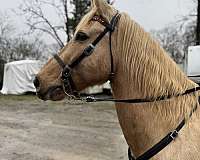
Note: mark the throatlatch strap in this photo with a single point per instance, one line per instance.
(111, 59)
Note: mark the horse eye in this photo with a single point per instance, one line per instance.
(80, 36)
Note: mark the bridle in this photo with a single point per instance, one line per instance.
(70, 88)
(66, 75)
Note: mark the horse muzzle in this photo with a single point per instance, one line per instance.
(54, 93)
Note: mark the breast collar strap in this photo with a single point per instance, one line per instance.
(170, 137)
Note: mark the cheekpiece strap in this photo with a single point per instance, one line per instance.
(59, 60)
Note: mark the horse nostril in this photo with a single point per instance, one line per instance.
(36, 82)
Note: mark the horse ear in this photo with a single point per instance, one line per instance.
(92, 3)
(100, 5)
(103, 8)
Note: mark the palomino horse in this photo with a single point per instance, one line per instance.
(140, 69)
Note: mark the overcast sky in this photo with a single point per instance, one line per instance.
(151, 14)
(155, 14)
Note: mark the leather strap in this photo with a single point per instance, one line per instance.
(163, 143)
(59, 60)
(160, 145)
(138, 101)
(88, 51)
(194, 76)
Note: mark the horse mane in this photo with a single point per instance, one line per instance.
(140, 48)
(153, 72)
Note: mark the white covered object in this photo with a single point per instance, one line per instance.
(193, 61)
(193, 69)
(97, 89)
(19, 76)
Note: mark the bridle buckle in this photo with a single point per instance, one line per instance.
(66, 73)
(90, 99)
(111, 75)
(88, 51)
(174, 134)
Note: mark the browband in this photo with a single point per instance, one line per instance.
(99, 19)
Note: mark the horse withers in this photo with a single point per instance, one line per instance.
(109, 45)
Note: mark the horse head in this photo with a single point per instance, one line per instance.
(92, 69)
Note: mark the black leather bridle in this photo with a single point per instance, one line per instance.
(70, 88)
(66, 76)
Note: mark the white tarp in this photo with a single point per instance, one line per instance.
(193, 68)
(97, 89)
(19, 76)
(194, 61)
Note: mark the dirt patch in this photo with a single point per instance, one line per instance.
(31, 129)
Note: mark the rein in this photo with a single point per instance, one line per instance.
(91, 99)
(69, 87)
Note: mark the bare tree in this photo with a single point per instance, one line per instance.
(39, 20)
(15, 47)
(195, 14)
(171, 41)
(176, 39)
(6, 30)
(67, 19)
(5, 25)
(65, 15)
(27, 49)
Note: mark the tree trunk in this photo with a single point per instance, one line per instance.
(198, 24)
(67, 28)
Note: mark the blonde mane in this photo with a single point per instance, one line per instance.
(165, 77)
(151, 69)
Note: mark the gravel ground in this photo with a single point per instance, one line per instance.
(31, 129)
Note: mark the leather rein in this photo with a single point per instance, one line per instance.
(70, 89)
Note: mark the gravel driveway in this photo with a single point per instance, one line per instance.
(31, 129)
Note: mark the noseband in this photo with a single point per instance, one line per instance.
(66, 76)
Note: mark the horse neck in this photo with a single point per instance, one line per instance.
(143, 70)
